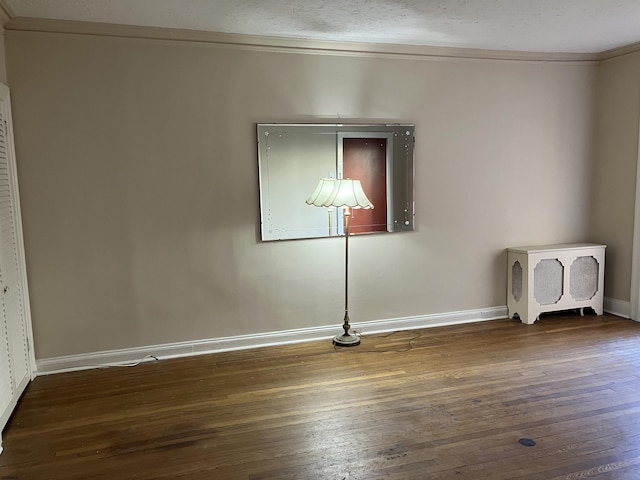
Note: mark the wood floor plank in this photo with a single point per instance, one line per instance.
(440, 403)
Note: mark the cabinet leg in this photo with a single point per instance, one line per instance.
(528, 319)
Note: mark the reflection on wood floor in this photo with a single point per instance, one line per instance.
(441, 403)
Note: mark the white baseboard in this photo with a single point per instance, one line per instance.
(130, 356)
(432, 320)
(616, 307)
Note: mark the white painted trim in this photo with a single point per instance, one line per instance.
(45, 25)
(634, 294)
(128, 356)
(619, 308)
(619, 52)
(432, 320)
(257, 42)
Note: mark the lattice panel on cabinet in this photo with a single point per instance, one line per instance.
(584, 278)
(516, 281)
(547, 281)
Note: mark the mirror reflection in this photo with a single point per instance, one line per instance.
(292, 158)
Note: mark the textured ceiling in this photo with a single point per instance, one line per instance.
(575, 26)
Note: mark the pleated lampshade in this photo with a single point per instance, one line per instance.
(339, 193)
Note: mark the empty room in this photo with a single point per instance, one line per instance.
(267, 239)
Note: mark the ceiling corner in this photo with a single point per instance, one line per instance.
(6, 13)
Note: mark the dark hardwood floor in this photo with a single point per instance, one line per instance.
(441, 403)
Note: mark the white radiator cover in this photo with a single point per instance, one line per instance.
(551, 278)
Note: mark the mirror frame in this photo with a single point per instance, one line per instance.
(292, 157)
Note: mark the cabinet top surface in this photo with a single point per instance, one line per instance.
(555, 247)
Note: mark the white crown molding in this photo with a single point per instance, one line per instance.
(131, 356)
(619, 52)
(26, 24)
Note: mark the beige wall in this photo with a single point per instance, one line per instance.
(614, 180)
(3, 65)
(138, 178)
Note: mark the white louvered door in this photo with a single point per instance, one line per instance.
(16, 360)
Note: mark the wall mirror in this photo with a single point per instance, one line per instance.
(293, 157)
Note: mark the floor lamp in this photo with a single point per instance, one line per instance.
(348, 194)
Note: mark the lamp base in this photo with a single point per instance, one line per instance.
(346, 340)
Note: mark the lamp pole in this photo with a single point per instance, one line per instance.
(347, 194)
(346, 339)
